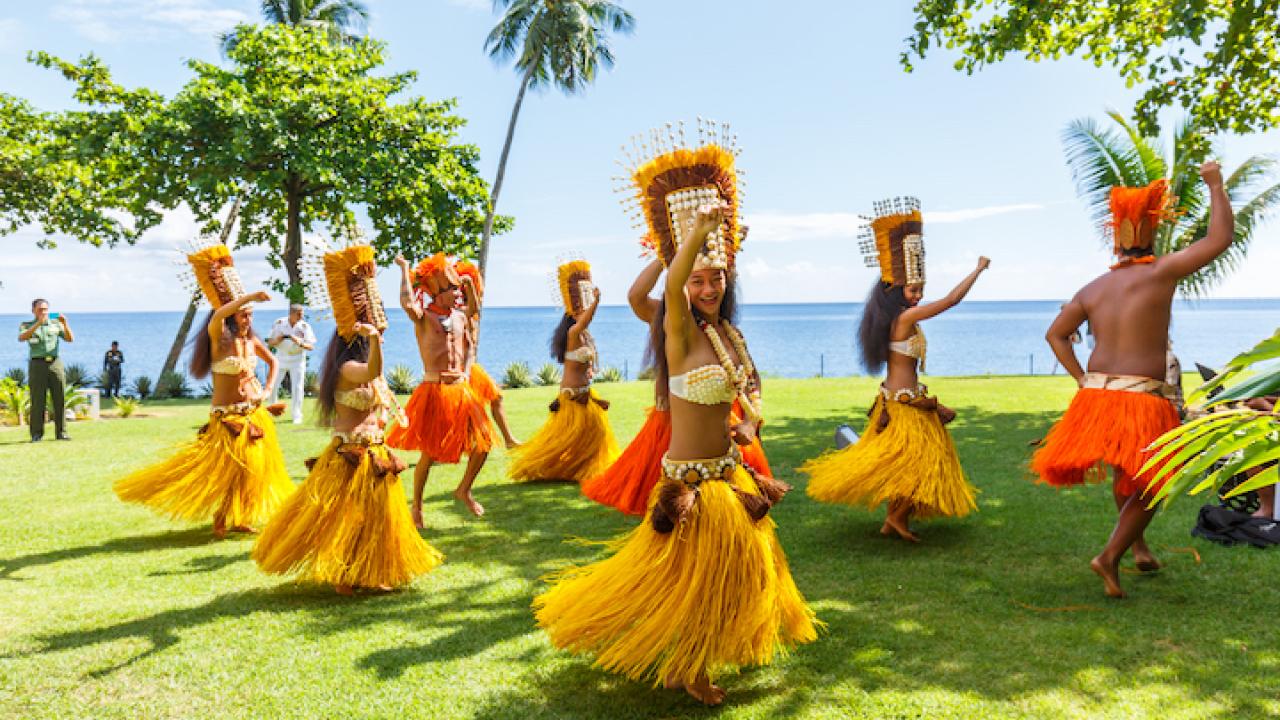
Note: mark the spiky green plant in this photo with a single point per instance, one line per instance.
(401, 379)
(141, 387)
(609, 374)
(15, 400)
(548, 374)
(517, 375)
(127, 406)
(1103, 156)
(17, 375)
(76, 375)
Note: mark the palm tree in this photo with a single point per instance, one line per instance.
(1100, 157)
(345, 20)
(556, 43)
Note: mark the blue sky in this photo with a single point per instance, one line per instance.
(827, 120)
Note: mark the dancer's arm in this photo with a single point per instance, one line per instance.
(1222, 225)
(642, 305)
(470, 296)
(584, 319)
(228, 309)
(407, 302)
(273, 365)
(911, 316)
(1059, 337)
(679, 318)
(361, 373)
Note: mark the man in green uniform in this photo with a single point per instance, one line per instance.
(43, 335)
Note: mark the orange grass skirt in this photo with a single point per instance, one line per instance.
(445, 421)
(483, 385)
(1100, 428)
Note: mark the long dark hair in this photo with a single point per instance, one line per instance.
(884, 304)
(560, 337)
(202, 346)
(655, 355)
(338, 353)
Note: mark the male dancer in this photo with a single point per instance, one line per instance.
(446, 417)
(1123, 404)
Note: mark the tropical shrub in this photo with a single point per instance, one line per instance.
(517, 375)
(127, 406)
(173, 385)
(401, 379)
(76, 375)
(311, 383)
(141, 387)
(17, 375)
(15, 401)
(76, 400)
(647, 373)
(609, 374)
(548, 374)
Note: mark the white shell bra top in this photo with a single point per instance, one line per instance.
(913, 347)
(584, 354)
(705, 385)
(366, 397)
(235, 365)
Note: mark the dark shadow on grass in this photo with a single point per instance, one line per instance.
(173, 539)
(207, 564)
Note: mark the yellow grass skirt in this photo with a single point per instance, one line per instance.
(911, 459)
(348, 524)
(713, 594)
(574, 444)
(225, 472)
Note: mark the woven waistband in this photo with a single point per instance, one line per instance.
(366, 437)
(905, 395)
(435, 378)
(240, 408)
(692, 472)
(1129, 383)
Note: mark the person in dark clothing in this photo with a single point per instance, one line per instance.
(111, 366)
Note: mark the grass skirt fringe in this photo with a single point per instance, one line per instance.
(575, 444)
(1100, 428)
(483, 385)
(714, 594)
(346, 525)
(753, 454)
(911, 459)
(445, 421)
(223, 471)
(627, 483)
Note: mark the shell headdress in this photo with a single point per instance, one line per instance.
(1136, 212)
(344, 279)
(669, 179)
(211, 270)
(573, 286)
(893, 239)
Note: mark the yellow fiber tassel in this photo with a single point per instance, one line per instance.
(714, 594)
(574, 444)
(912, 459)
(224, 471)
(346, 525)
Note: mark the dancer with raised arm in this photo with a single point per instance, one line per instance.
(481, 381)
(234, 470)
(905, 459)
(1123, 403)
(703, 585)
(347, 526)
(576, 442)
(446, 418)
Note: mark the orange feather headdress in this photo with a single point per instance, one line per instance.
(434, 274)
(669, 180)
(466, 268)
(1136, 212)
(893, 239)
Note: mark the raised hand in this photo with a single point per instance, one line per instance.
(404, 264)
(260, 296)
(708, 219)
(984, 262)
(366, 330)
(1211, 171)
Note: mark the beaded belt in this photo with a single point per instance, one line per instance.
(693, 472)
(437, 378)
(362, 437)
(240, 408)
(580, 395)
(682, 486)
(917, 397)
(905, 395)
(1129, 383)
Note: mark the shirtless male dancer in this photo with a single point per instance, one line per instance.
(1122, 404)
(446, 417)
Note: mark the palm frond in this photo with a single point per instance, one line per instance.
(1147, 150)
(1098, 159)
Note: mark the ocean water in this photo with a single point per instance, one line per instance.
(975, 338)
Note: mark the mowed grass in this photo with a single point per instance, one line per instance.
(110, 611)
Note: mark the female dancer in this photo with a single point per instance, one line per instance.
(905, 458)
(576, 442)
(234, 470)
(481, 382)
(347, 526)
(627, 483)
(703, 585)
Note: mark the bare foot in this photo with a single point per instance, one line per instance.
(416, 513)
(344, 590)
(244, 529)
(464, 497)
(1146, 562)
(1110, 576)
(704, 692)
(219, 530)
(895, 525)
(511, 443)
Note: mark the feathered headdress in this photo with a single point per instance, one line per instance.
(1136, 212)
(346, 281)
(434, 274)
(466, 268)
(893, 238)
(211, 270)
(573, 281)
(669, 181)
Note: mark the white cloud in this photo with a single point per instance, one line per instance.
(770, 227)
(109, 21)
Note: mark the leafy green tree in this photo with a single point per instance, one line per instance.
(341, 20)
(1217, 59)
(555, 43)
(304, 134)
(1100, 157)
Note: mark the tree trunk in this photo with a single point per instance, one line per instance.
(175, 351)
(293, 239)
(502, 171)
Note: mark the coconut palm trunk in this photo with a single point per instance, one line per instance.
(502, 171)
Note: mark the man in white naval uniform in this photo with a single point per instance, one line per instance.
(292, 339)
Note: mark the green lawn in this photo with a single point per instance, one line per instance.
(108, 610)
